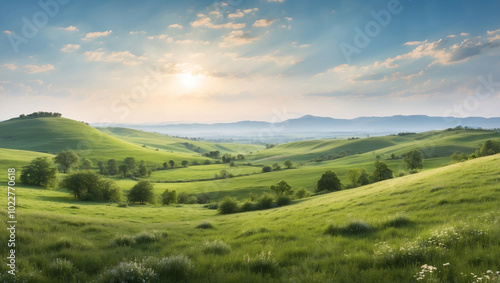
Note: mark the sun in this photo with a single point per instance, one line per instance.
(189, 81)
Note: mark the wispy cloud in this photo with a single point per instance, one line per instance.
(205, 21)
(68, 48)
(124, 57)
(238, 37)
(137, 32)
(263, 23)
(92, 35)
(33, 69)
(176, 26)
(70, 28)
(9, 66)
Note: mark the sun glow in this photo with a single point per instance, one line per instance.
(190, 81)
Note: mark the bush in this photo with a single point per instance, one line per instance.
(142, 192)
(123, 241)
(247, 205)
(192, 200)
(283, 200)
(329, 182)
(350, 229)
(171, 268)
(40, 172)
(265, 201)
(266, 169)
(217, 247)
(301, 193)
(204, 225)
(182, 197)
(130, 272)
(146, 238)
(264, 263)
(228, 205)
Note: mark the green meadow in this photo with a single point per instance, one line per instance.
(444, 219)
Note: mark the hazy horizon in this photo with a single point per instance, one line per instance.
(227, 61)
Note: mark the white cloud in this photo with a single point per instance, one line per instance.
(464, 34)
(124, 57)
(7, 32)
(238, 37)
(237, 14)
(247, 11)
(490, 32)
(92, 35)
(452, 36)
(415, 42)
(160, 36)
(33, 69)
(71, 28)
(289, 19)
(68, 48)
(273, 57)
(10, 66)
(495, 38)
(207, 22)
(176, 26)
(263, 23)
(137, 32)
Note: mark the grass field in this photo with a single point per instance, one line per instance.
(447, 216)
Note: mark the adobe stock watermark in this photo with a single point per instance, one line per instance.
(31, 27)
(485, 89)
(363, 37)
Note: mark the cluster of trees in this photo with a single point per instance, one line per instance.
(39, 114)
(489, 147)
(281, 194)
(129, 168)
(276, 166)
(333, 156)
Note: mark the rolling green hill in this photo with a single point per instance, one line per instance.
(168, 143)
(447, 218)
(51, 135)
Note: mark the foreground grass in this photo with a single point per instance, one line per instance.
(447, 218)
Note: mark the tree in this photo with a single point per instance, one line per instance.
(357, 177)
(226, 158)
(240, 156)
(87, 164)
(66, 159)
(381, 172)
(142, 192)
(165, 165)
(90, 186)
(282, 189)
(102, 169)
(458, 156)
(266, 169)
(329, 182)
(172, 163)
(288, 164)
(143, 170)
(413, 159)
(168, 197)
(489, 148)
(112, 167)
(130, 162)
(184, 163)
(40, 172)
(123, 169)
(276, 167)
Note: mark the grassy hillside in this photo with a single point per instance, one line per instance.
(447, 218)
(168, 143)
(51, 135)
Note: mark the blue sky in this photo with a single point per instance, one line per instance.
(222, 61)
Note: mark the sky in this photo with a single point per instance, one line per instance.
(163, 61)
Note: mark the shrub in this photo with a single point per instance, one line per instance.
(217, 247)
(171, 268)
(228, 205)
(60, 268)
(123, 240)
(283, 200)
(247, 205)
(130, 272)
(264, 263)
(265, 201)
(142, 192)
(301, 193)
(329, 182)
(353, 228)
(146, 237)
(192, 200)
(40, 172)
(182, 197)
(266, 169)
(204, 225)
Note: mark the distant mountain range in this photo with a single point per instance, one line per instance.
(320, 127)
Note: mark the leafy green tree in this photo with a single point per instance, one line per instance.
(276, 167)
(282, 189)
(266, 169)
(90, 186)
(40, 172)
(66, 160)
(301, 193)
(168, 197)
(226, 158)
(87, 164)
(413, 159)
(329, 182)
(172, 163)
(381, 172)
(142, 192)
(288, 164)
(112, 167)
(130, 162)
(123, 169)
(143, 170)
(489, 148)
(184, 163)
(357, 177)
(102, 169)
(240, 156)
(458, 156)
